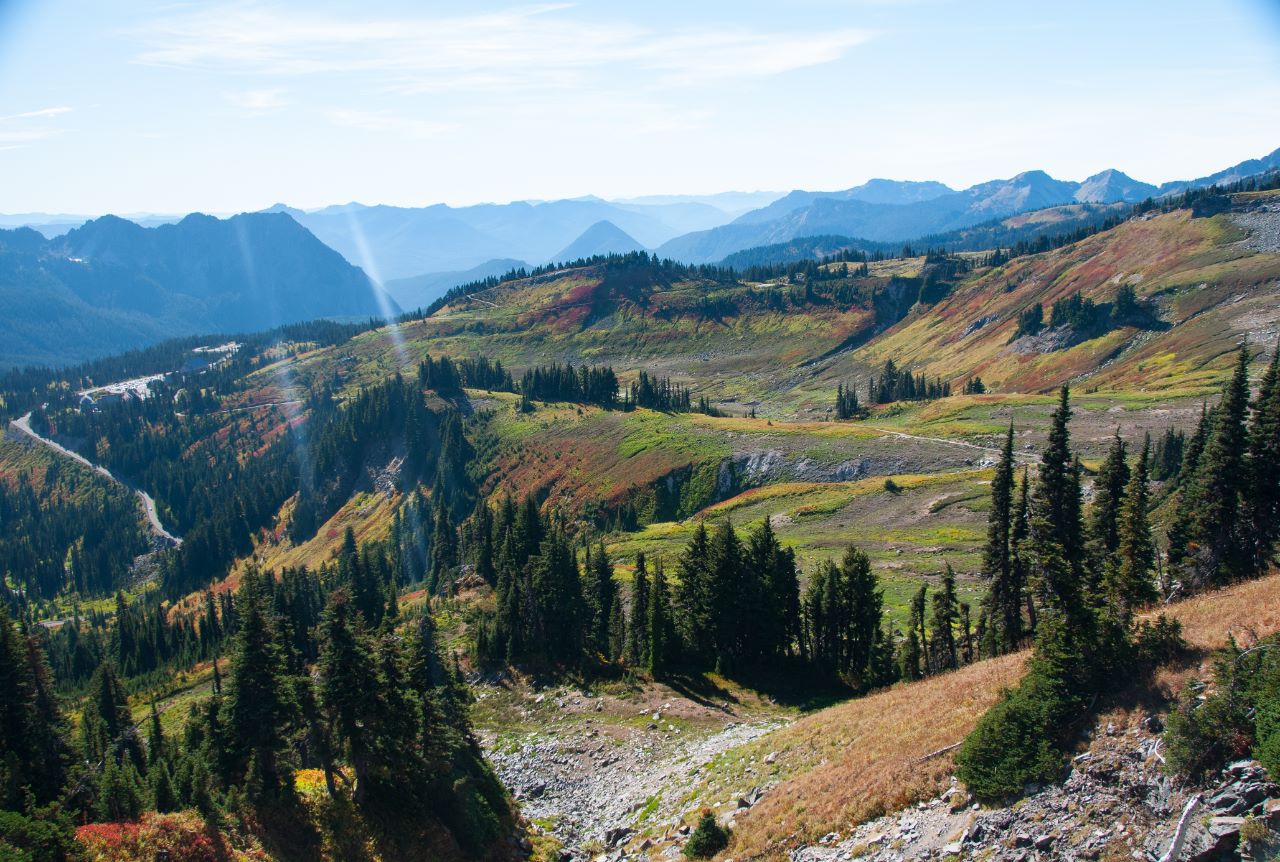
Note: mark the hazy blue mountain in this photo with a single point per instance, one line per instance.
(733, 203)
(876, 191)
(891, 211)
(112, 285)
(393, 243)
(1229, 175)
(1002, 232)
(419, 291)
(603, 237)
(1112, 186)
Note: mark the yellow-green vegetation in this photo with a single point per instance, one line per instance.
(910, 533)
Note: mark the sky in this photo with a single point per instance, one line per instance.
(129, 107)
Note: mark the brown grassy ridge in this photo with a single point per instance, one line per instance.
(861, 759)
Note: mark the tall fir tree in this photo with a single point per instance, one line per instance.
(259, 709)
(1004, 602)
(348, 686)
(1104, 516)
(601, 595)
(638, 629)
(694, 610)
(1129, 583)
(1220, 552)
(729, 594)
(1057, 540)
(1263, 495)
(661, 634)
(942, 623)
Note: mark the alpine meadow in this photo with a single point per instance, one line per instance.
(566, 495)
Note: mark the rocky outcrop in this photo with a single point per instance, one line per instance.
(1118, 802)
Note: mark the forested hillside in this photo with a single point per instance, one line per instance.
(760, 490)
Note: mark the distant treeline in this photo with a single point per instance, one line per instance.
(26, 388)
(615, 262)
(1086, 318)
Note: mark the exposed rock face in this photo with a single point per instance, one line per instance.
(1116, 803)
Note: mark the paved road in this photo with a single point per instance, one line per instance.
(23, 424)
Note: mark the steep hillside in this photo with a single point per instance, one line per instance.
(112, 285)
(839, 767)
(1206, 287)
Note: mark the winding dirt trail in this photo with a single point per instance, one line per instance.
(1020, 457)
(23, 424)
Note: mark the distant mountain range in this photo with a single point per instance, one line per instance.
(71, 293)
(419, 291)
(112, 285)
(400, 242)
(894, 211)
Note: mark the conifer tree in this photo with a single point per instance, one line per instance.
(1108, 498)
(1181, 531)
(348, 686)
(444, 551)
(164, 796)
(259, 709)
(919, 602)
(946, 613)
(155, 738)
(35, 758)
(694, 610)
(1220, 479)
(1005, 593)
(726, 596)
(17, 717)
(1128, 577)
(638, 629)
(660, 635)
(1019, 533)
(617, 632)
(909, 655)
(601, 596)
(1263, 495)
(774, 611)
(1057, 545)
(559, 606)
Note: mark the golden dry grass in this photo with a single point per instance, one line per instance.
(865, 756)
(861, 759)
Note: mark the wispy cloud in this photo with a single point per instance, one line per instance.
(383, 121)
(19, 130)
(546, 46)
(258, 100)
(41, 114)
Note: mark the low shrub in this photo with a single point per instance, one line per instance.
(708, 838)
(1240, 715)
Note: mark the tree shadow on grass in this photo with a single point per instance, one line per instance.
(791, 684)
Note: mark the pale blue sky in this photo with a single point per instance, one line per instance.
(129, 106)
